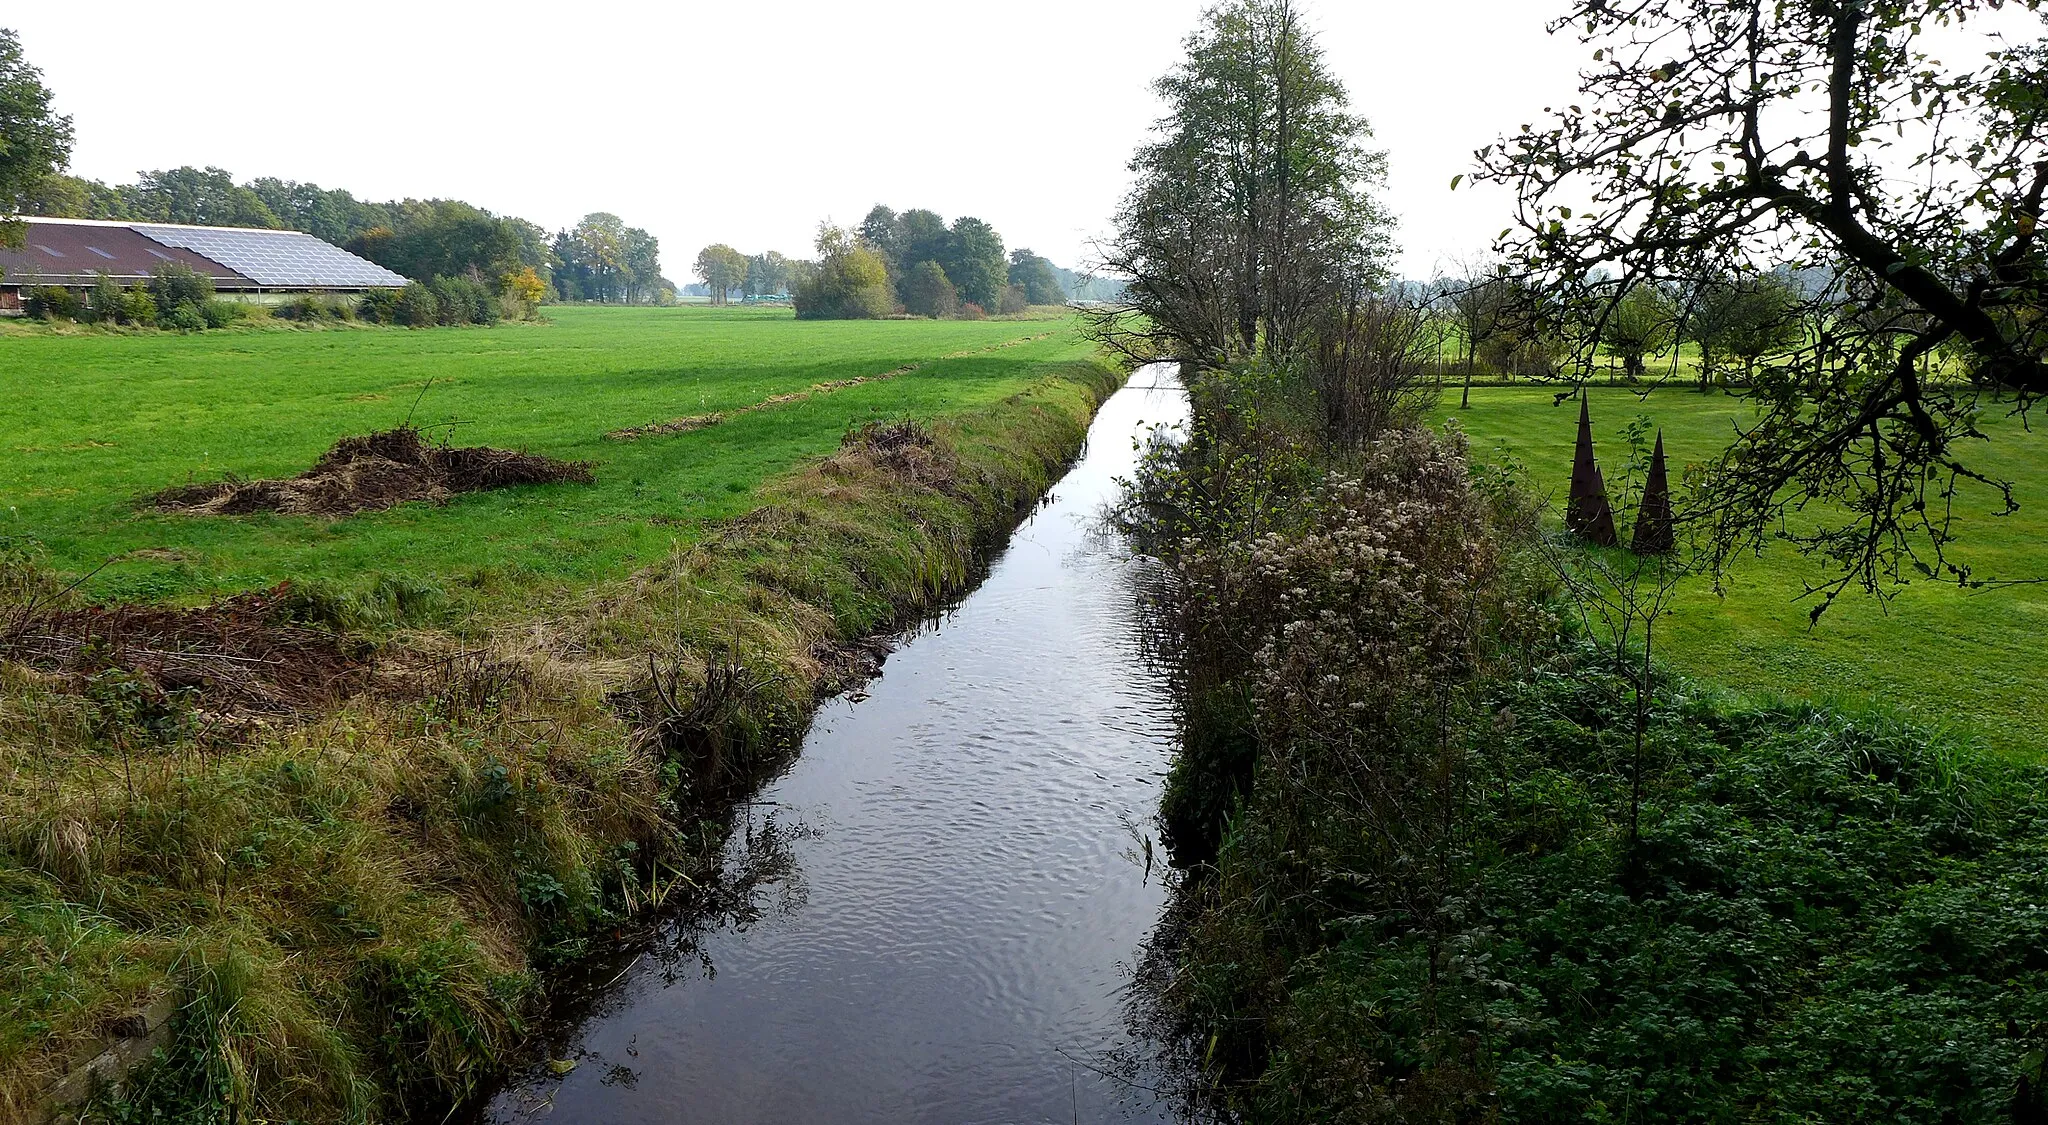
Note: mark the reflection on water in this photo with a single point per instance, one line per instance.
(933, 915)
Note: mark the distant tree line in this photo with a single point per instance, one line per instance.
(600, 259)
(1488, 322)
(911, 263)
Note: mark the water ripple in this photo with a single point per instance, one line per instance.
(948, 943)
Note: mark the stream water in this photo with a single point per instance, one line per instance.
(934, 912)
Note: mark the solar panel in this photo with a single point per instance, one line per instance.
(281, 259)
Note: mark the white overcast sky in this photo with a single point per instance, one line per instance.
(748, 122)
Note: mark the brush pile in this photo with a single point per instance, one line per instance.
(243, 653)
(371, 473)
(901, 447)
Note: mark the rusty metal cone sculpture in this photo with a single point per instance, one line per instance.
(1587, 514)
(1654, 534)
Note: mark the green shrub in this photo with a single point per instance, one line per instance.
(464, 301)
(300, 308)
(379, 306)
(184, 317)
(53, 302)
(105, 303)
(1448, 867)
(417, 306)
(851, 282)
(927, 292)
(174, 284)
(313, 308)
(138, 308)
(221, 314)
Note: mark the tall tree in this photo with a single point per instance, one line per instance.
(1034, 275)
(1642, 323)
(723, 269)
(572, 274)
(56, 196)
(922, 237)
(974, 261)
(35, 141)
(1479, 303)
(767, 275)
(335, 216)
(640, 255)
(1744, 317)
(601, 241)
(1250, 218)
(447, 238)
(1818, 135)
(883, 231)
(928, 292)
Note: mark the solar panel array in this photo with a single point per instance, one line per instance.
(279, 259)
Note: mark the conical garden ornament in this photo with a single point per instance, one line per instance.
(1654, 534)
(1587, 514)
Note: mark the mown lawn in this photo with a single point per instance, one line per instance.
(1971, 661)
(91, 424)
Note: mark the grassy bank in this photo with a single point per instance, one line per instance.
(350, 905)
(1942, 656)
(1444, 859)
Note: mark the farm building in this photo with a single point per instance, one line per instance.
(243, 262)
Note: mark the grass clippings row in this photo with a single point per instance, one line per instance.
(693, 422)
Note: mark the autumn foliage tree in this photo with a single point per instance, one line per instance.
(525, 288)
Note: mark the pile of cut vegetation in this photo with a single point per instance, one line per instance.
(373, 472)
(902, 447)
(242, 653)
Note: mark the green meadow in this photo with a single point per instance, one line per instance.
(1968, 661)
(93, 424)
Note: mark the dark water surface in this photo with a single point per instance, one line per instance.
(935, 910)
